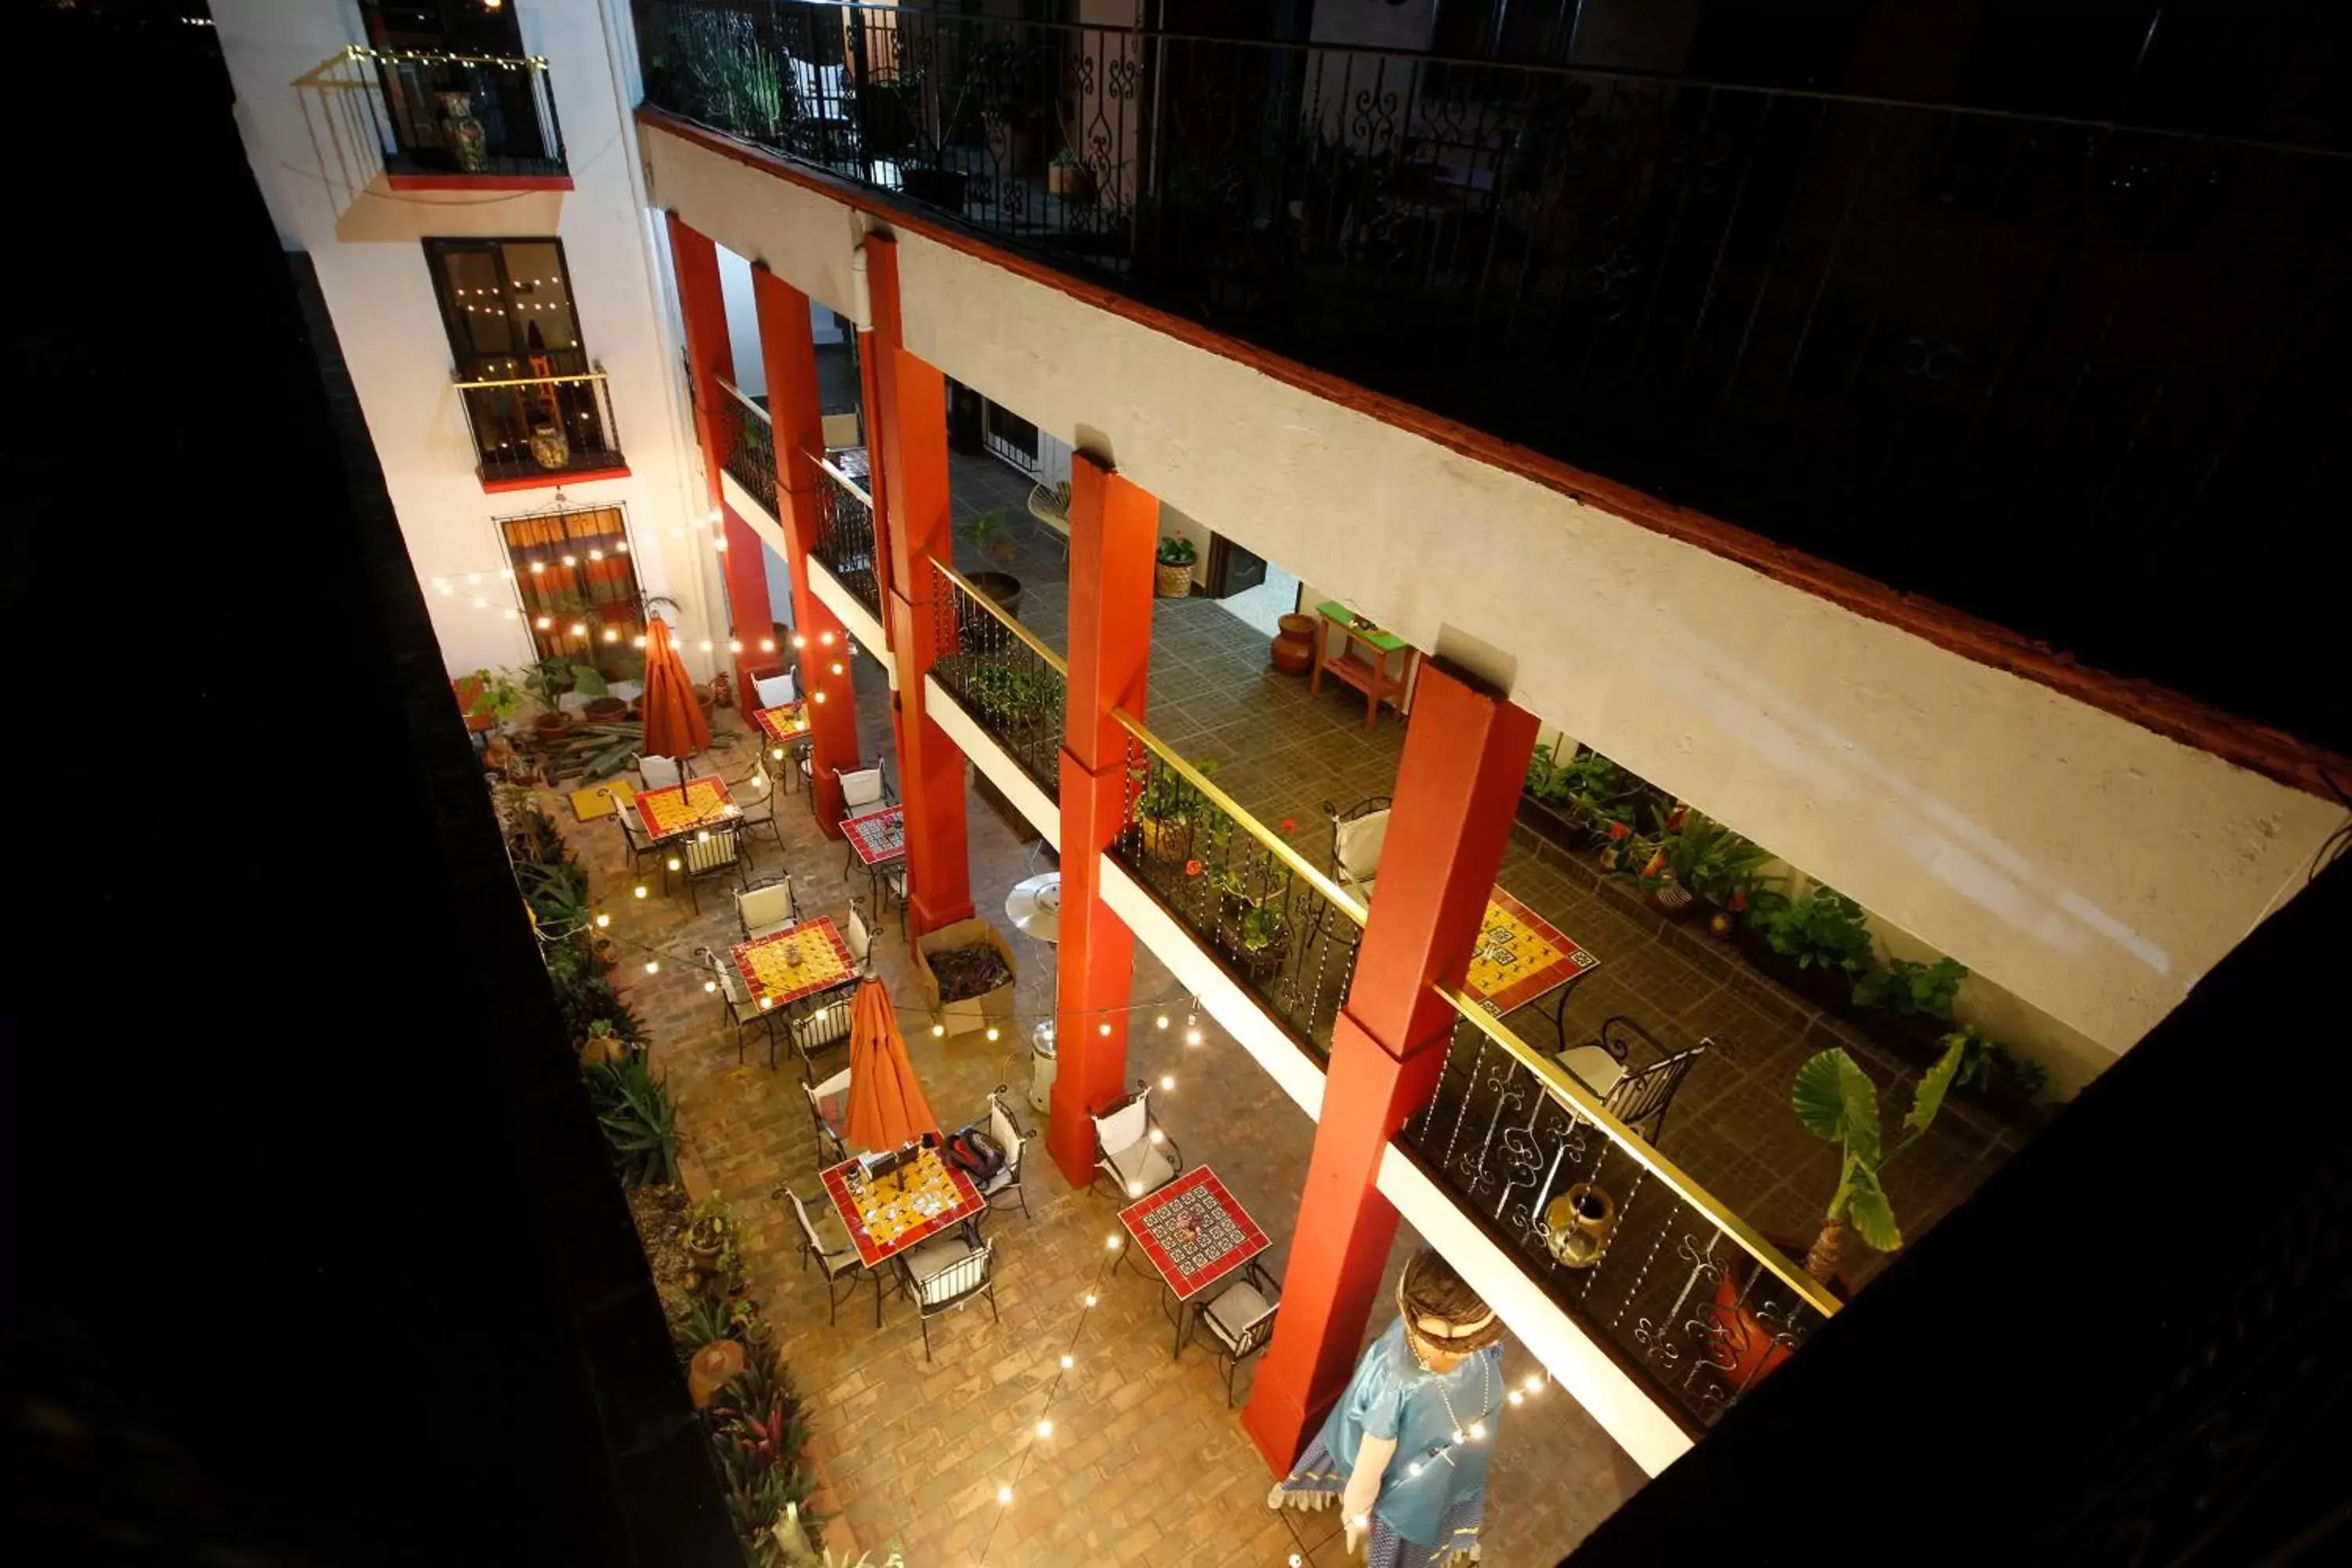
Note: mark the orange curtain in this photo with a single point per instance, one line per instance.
(886, 1107)
(675, 726)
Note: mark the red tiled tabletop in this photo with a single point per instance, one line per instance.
(1224, 1236)
(877, 836)
(789, 722)
(767, 964)
(1520, 956)
(683, 807)
(876, 1231)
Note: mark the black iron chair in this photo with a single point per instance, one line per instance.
(942, 1274)
(1239, 1318)
(1634, 1092)
(735, 996)
(1010, 1137)
(1131, 1149)
(823, 1238)
(707, 852)
(817, 1024)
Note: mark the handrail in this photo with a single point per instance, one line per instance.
(1297, 863)
(737, 392)
(531, 380)
(1054, 661)
(1588, 1106)
(854, 488)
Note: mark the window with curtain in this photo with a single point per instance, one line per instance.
(576, 584)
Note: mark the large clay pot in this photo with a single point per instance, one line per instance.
(1578, 1224)
(462, 134)
(1294, 646)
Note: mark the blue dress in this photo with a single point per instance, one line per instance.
(1391, 1396)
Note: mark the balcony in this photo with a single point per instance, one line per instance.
(534, 431)
(466, 122)
(2020, 366)
(747, 437)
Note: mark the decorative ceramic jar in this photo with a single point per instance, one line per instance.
(549, 446)
(462, 134)
(1294, 646)
(1577, 1224)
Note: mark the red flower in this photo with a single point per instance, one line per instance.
(1290, 825)
(1192, 867)
(1618, 830)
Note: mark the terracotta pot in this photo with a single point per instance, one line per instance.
(1294, 646)
(1741, 1347)
(1172, 581)
(604, 709)
(714, 1366)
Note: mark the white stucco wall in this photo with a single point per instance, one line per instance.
(2080, 861)
(313, 155)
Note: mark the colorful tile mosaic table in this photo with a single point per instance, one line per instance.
(791, 964)
(877, 836)
(886, 1214)
(684, 807)
(790, 722)
(1522, 956)
(1194, 1233)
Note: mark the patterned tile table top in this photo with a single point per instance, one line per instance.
(879, 836)
(681, 808)
(887, 1214)
(1194, 1231)
(1520, 956)
(791, 964)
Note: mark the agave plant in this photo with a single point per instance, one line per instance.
(639, 1121)
(1838, 1104)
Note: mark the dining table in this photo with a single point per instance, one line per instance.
(1521, 957)
(687, 806)
(785, 966)
(1193, 1233)
(878, 839)
(890, 1202)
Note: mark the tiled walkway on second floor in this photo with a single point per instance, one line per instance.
(1282, 752)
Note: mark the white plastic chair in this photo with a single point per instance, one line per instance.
(767, 908)
(1131, 1150)
(775, 691)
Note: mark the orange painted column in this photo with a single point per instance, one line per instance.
(788, 351)
(910, 421)
(709, 358)
(1114, 529)
(1465, 756)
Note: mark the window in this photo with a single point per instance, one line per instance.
(535, 401)
(576, 583)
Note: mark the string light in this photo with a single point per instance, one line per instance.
(733, 646)
(798, 641)
(837, 670)
(1105, 1029)
(653, 966)
(991, 1031)
(1167, 1080)
(1045, 1428)
(767, 645)
(825, 638)
(1161, 1022)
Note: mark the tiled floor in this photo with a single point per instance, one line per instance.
(1146, 1464)
(1215, 696)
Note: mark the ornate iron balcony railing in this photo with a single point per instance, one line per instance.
(1013, 685)
(748, 439)
(542, 425)
(844, 538)
(482, 115)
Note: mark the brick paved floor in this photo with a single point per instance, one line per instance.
(1282, 752)
(1146, 1465)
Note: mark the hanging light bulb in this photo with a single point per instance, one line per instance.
(1004, 1495)
(639, 890)
(673, 862)
(1161, 1022)
(798, 641)
(1157, 1136)
(1045, 1428)
(778, 754)
(603, 919)
(545, 622)
(579, 628)
(1104, 1029)
(818, 695)
(1134, 1190)
(938, 1031)
(719, 544)
(733, 646)
(653, 966)
(706, 645)
(824, 638)
(1167, 1080)
(596, 555)
(1110, 1243)
(1191, 1036)
(1068, 1362)
(767, 645)
(1090, 1298)
(612, 634)
(991, 1031)
(572, 561)
(837, 670)
(710, 986)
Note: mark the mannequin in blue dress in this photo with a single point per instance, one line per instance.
(1404, 1452)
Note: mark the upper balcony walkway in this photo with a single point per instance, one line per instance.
(2027, 367)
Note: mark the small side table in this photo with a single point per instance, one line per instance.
(1369, 675)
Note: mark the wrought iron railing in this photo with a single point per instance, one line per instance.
(1013, 685)
(845, 534)
(746, 441)
(465, 114)
(1850, 324)
(1281, 926)
(527, 427)
(1692, 1301)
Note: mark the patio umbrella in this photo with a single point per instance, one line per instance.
(675, 726)
(887, 1108)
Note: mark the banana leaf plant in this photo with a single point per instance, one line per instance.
(1838, 1104)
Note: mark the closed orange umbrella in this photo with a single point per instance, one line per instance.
(887, 1108)
(675, 726)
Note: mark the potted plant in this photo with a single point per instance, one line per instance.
(988, 536)
(1165, 809)
(1820, 943)
(496, 697)
(549, 681)
(603, 1045)
(1994, 1074)
(604, 707)
(1694, 858)
(1173, 574)
(1068, 177)
(710, 1241)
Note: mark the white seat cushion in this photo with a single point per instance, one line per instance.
(1143, 1163)
(861, 789)
(756, 932)
(859, 940)
(770, 907)
(659, 772)
(1593, 1067)
(928, 1260)
(1357, 845)
(775, 691)
(1236, 1308)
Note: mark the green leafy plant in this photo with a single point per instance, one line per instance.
(1175, 550)
(558, 895)
(1823, 929)
(989, 534)
(1838, 1104)
(589, 681)
(547, 681)
(1261, 927)
(1007, 693)
(1701, 856)
(1990, 1066)
(640, 1124)
(496, 694)
(1168, 796)
(1912, 990)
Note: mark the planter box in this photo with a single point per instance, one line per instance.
(973, 1012)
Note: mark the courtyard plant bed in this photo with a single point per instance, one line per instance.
(968, 973)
